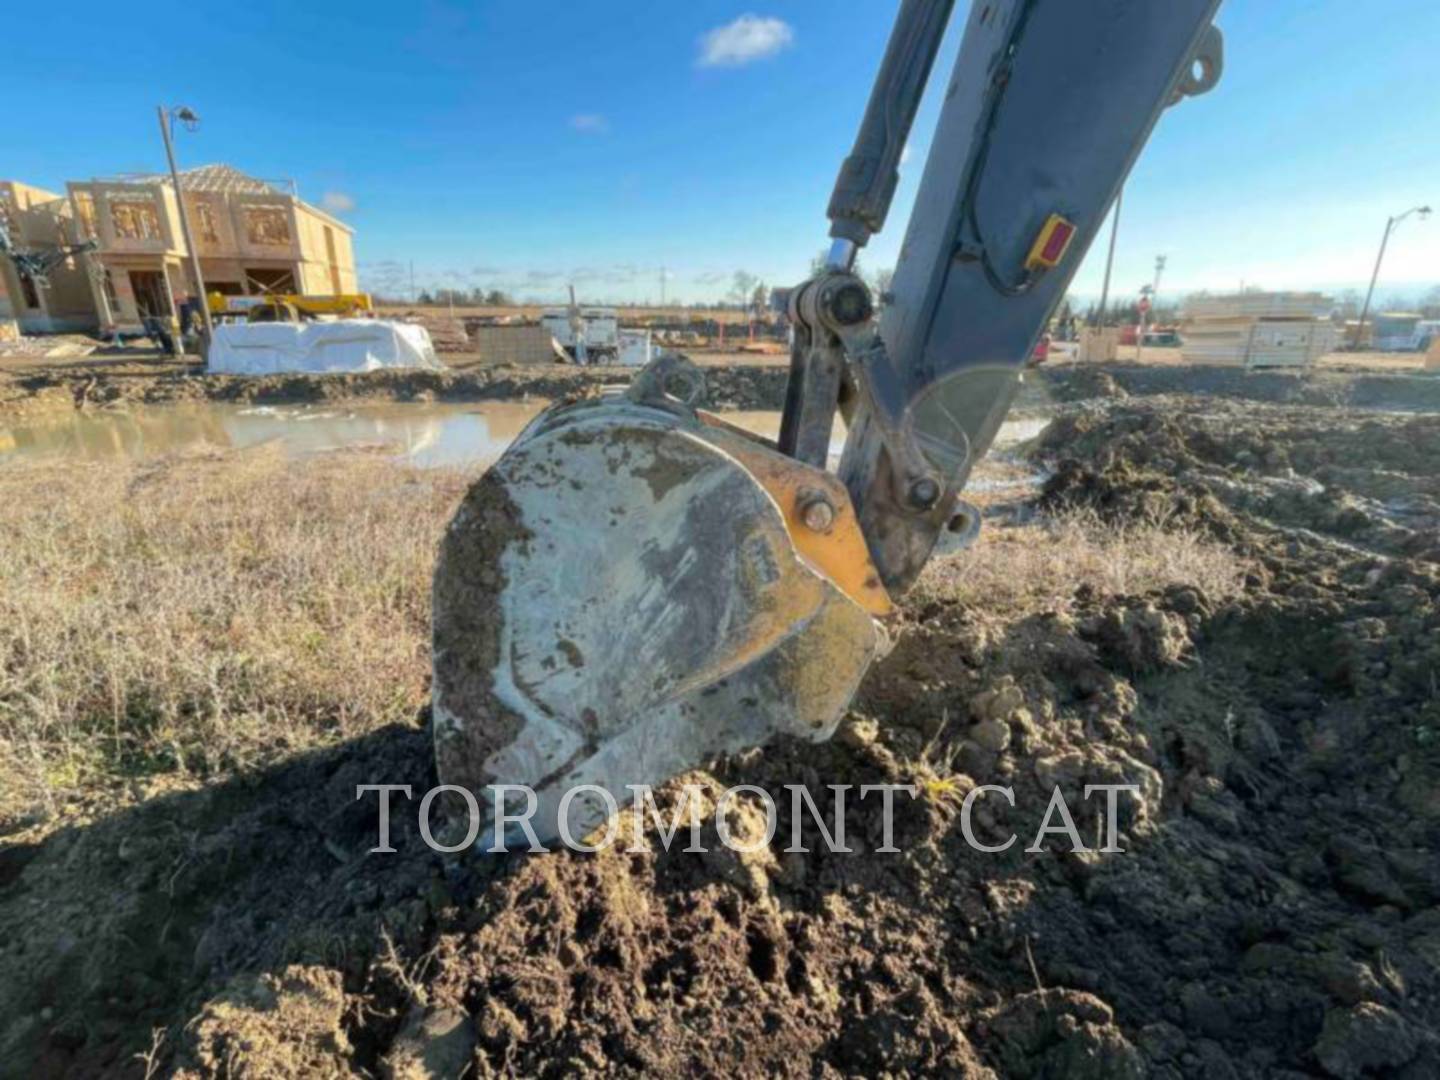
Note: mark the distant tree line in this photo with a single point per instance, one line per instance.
(748, 292)
(461, 297)
(1119, 313)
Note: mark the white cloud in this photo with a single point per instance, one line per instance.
(748, 38)
(590, 123)
(337, 202)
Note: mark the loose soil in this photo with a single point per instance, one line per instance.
(1275, 912)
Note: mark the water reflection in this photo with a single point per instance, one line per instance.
(424, 434)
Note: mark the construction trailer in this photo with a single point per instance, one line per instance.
(1258, 329)
(1427, 335)
(604, 342)
(597, 327)
(1400, 331)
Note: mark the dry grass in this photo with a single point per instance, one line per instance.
(1020, 570)
(207, 613)
(199, 614)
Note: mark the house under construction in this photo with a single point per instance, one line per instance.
(38, 220)
(252, 237)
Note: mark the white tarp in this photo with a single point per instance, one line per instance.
(315, 347)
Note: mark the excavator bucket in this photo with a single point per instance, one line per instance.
(634, 588)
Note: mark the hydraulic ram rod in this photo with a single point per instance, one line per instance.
(866, 184)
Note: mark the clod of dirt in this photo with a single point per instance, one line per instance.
(1085, 383)
(273, 1027)
(435, 1044)
(741, 855)
(1140, 638)
(996, 712)
(1364, 1039)
(1063, 1035)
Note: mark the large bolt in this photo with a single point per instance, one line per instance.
(849, 303)
(817, 514)
(924, 493)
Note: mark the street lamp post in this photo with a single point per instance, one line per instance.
(1151, 294)
(1424, 212)
(187, 117)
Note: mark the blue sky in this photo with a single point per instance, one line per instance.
(525, 144)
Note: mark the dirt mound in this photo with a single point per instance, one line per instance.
(1325, 386)
(1078, 384)
(125, 922)
(447, 334)
(740, 386)
(1364, 480)
(1275, 910)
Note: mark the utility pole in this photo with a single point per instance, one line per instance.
(1110, 258)
(1424, 212)
(191, 121)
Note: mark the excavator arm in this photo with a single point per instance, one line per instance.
(1048, 107)
(636, 586)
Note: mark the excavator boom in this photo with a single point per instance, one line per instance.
(636, 586)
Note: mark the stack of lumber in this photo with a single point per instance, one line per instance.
(1258, 329)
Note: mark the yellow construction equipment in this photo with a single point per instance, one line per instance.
(289, 307)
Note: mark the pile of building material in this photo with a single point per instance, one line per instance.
(447, 334)
(1098, 345)
(45, 346)
(513, 344)
(277, 348)
(1258, 329)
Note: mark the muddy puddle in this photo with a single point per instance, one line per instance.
(427, 435)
